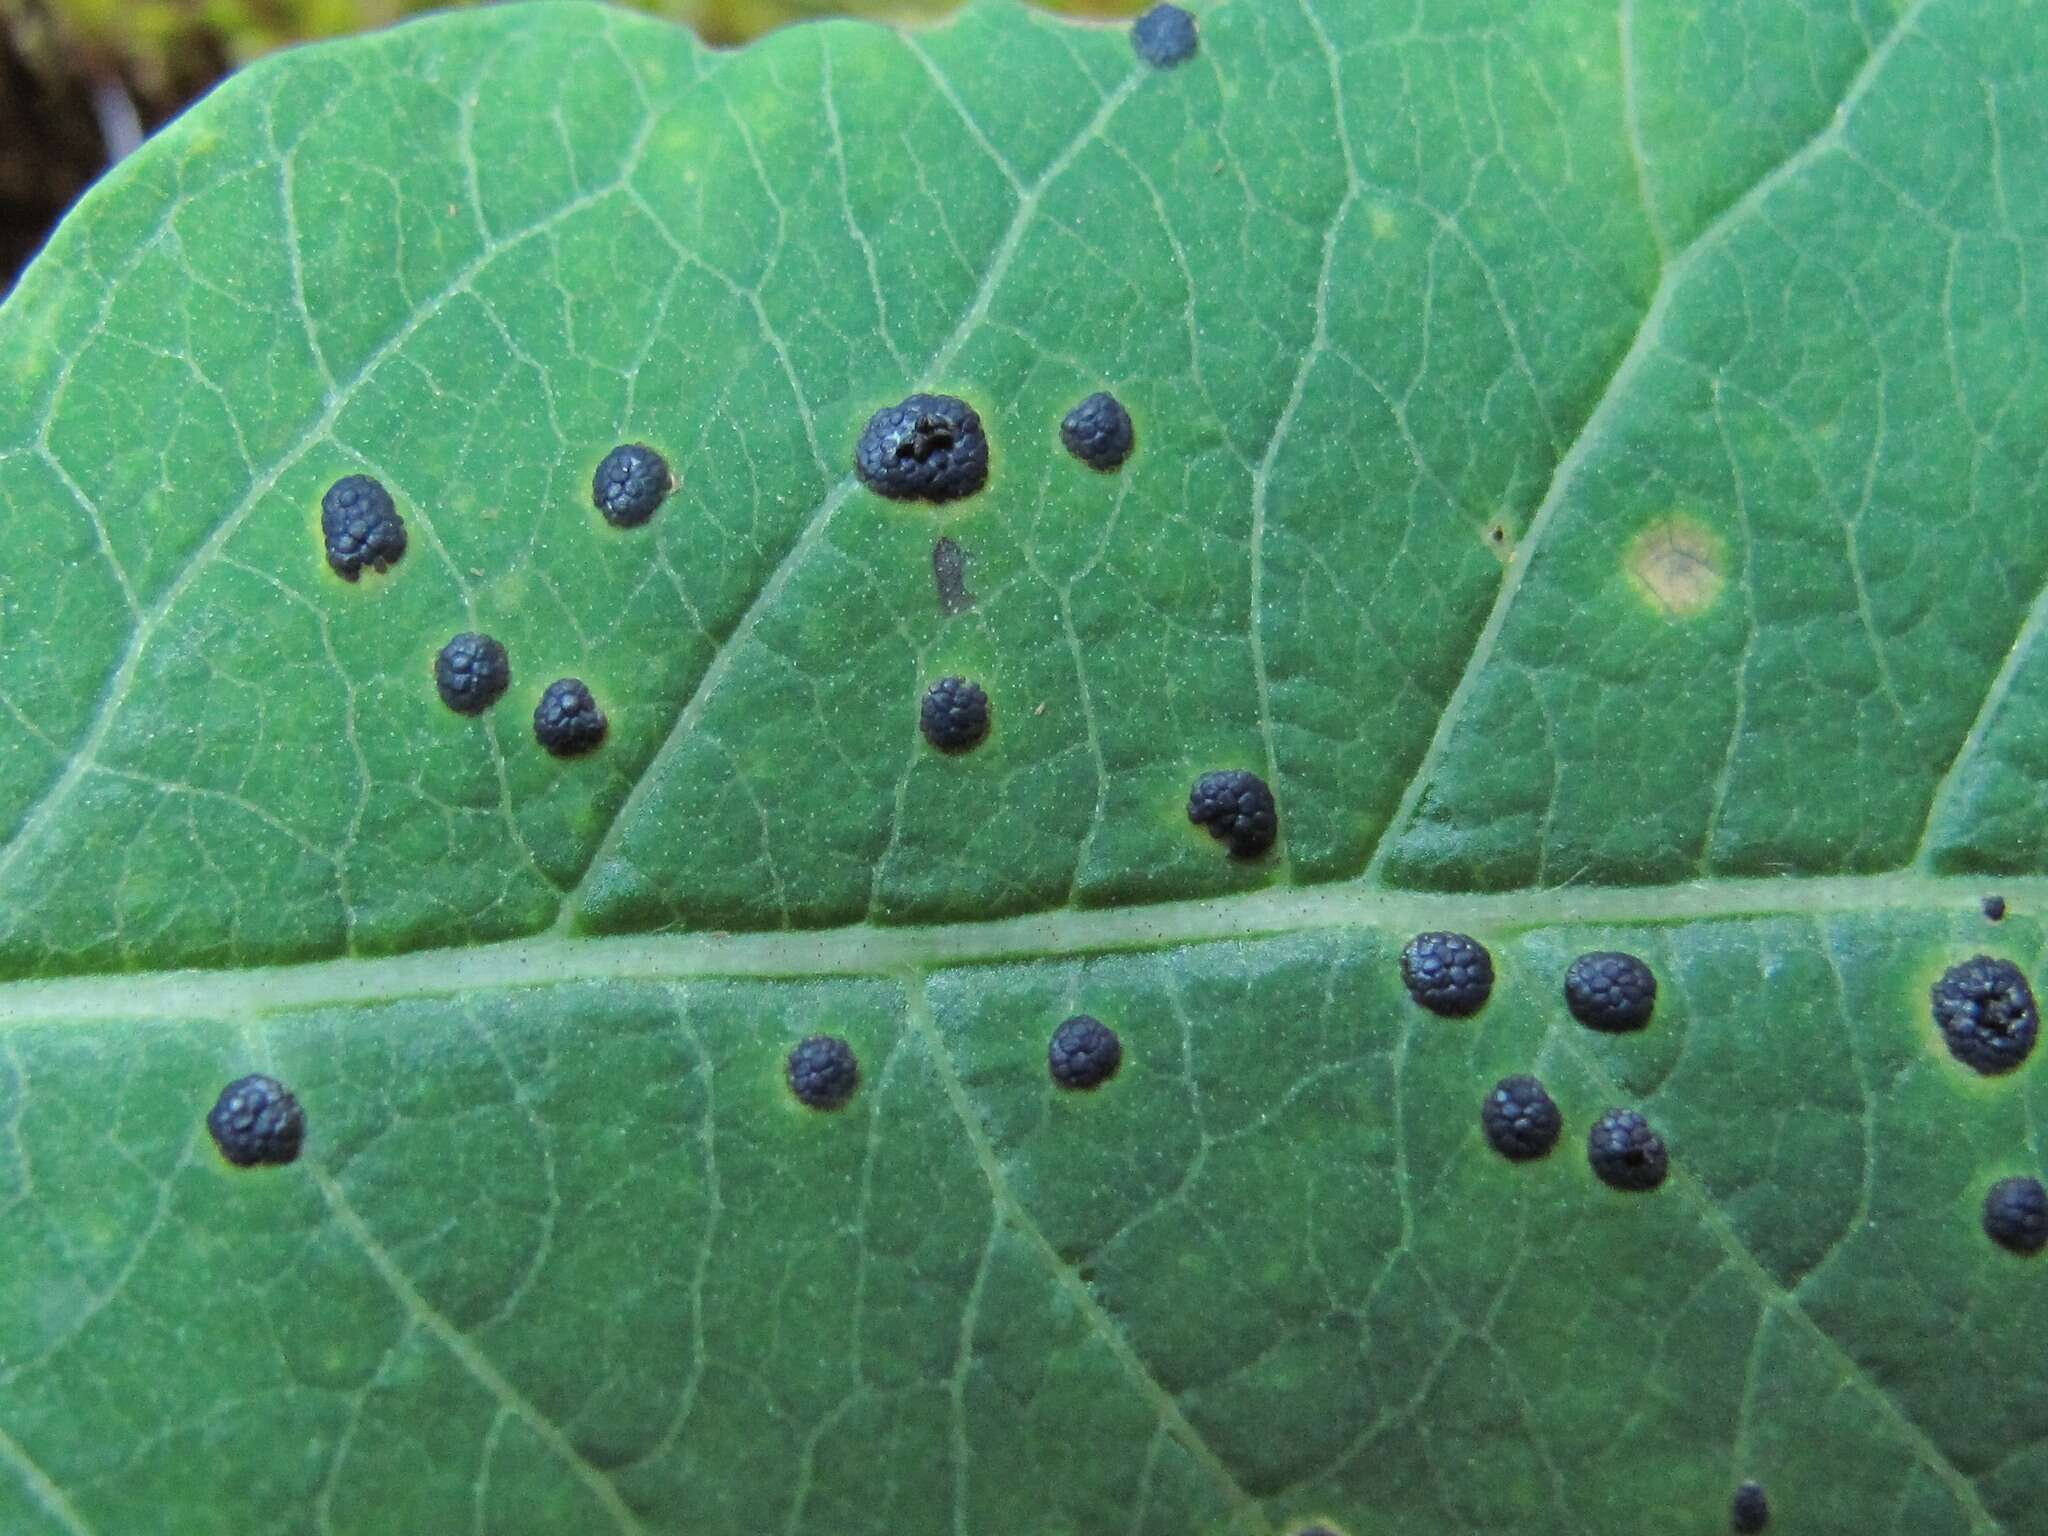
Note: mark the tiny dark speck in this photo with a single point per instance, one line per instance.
(1164, 36)
(1994, 907)
(257, 1122)
(949, 574)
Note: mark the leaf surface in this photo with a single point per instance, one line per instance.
(1589, 463)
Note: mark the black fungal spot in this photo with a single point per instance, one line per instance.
(1625, 1152)
(567, 720)
(1164, 36)
(1238, 809)
(1448, 973)
(1751, 1511)
(1084, 1053)
(362, 527)
(929, 448)
(1098, 432)
(472, 673)
(954, 715)
(1994, 908)
(630, 485)
(1520, 1119)
(949, 575)
(1610, 991)
(823, 1071)
(1985, 1011)
(2016, 1215)
(256, 1122)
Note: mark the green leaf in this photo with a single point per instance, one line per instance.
(1589, 462)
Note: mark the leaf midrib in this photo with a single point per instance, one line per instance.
(868, 949)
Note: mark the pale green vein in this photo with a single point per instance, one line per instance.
(1099, 1321)
(814, 529)
(45, 1493)
(865, 949)
(468, 1356)
(1592, 437)
(1776, 1299)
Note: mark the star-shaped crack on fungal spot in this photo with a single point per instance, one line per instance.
(1678, 566)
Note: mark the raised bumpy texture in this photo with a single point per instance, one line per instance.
(929, 448)
(630, 484)
(1099, 433)
(1750, 1511)
(567, 720)
(1164, 36)
(1084, 1053)
(361, 526)
(1448, 973)
(256, 1122)
(1985, 1011)
(1238, 809)
(2016, 1215)
(1625, 1153)
(1610, 991)
(1521, 1119)
(823, 1071)
(954, 715)
(472, 673)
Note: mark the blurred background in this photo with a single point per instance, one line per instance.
(82, 82)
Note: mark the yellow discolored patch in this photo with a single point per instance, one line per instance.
(1678, 566)
(1384, 221)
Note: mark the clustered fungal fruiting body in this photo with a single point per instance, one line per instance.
(361, 526)
(933, 448)
(2016, 1215)
(928, 448)
(1750, 1511)
(954, 715)
(1238, 809)
(1164, 36)
(472, 673)
(630, 485)
(1098, 432)
(1448, 973)
(1625, 1153)
(822, 1071)
(1084, 1053)
(1521, 1119)
(567, 720)
(1609, 991)
(1985, 1011)
(256, 1122)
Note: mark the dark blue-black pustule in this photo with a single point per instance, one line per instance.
(2016, 1215)
(1164, 36)
(1986, 1014)
(1084, 1053)
(1610, 991)
(1520, 1119)
(822, 1071)
(256, 1122)
(954, 715)
(472, 673)
(361, 525)
(1450, 974)
(567, 720)
(1099, 433)
(1749, 1512)
(1625, 1153)
(1238, 808)
(631, 484)
(927, 448)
